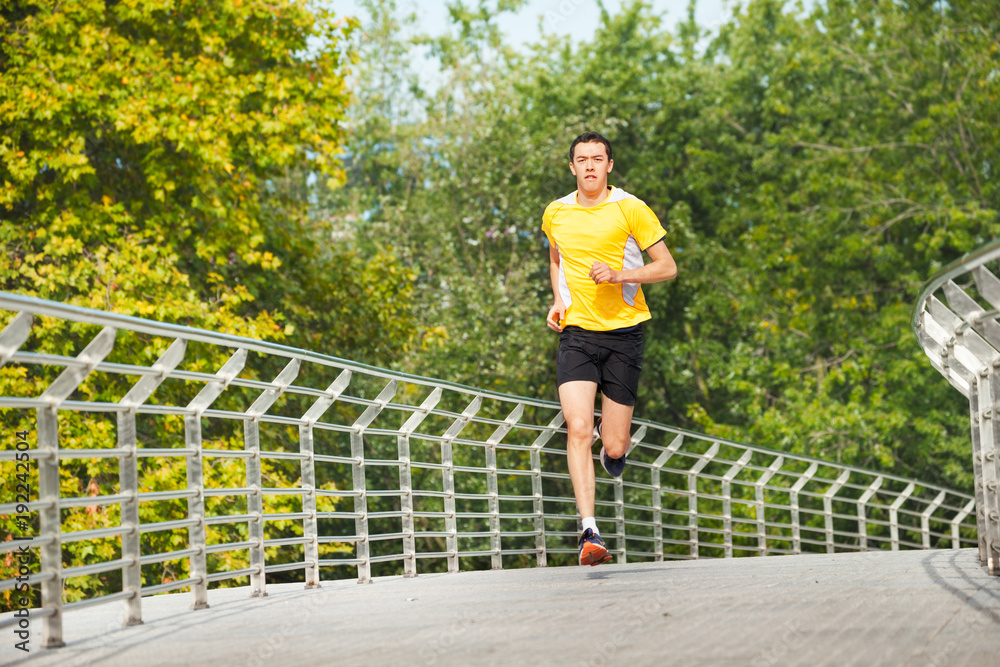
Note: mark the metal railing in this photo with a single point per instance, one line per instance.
(214, 458)
(962, 340)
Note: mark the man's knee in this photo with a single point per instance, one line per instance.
(580, 428)
(615, 444)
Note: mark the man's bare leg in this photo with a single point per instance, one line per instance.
(616, 427)
(577, 400)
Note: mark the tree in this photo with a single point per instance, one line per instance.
(152, 159)
(870, 134)
(812, 170)
(140, 149)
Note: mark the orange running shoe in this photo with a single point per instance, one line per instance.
(592, 549)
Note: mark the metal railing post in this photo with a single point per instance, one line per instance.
(989, 286)
(50, 518)
(977, 471)
(49, 524)
(619, 486)
(925, 519)
(727, 501)
(828, 508)
(692, 476)
(619, 489)
(255, 507)
(794, 502)
(362, 546)
(307, 471)
(128, 475)
(956, 523)
(406, 506)
(661, 461)
(307, 468)
(359, 484)
(255, 500)
(128, 479)
(406, 480)
(541, 554)
(197, 538)
(762, 481)
(990, 479)
(492, 487)
(448, 481)
(894, 514)
(863, 511)
(195, 470)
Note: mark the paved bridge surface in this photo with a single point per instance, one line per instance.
(876, 608)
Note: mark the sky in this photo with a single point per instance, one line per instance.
(576, 18)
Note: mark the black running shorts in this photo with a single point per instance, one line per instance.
(612, 359)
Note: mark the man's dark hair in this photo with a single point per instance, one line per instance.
(589, 138)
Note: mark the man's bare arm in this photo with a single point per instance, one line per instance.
(661, 268)
(557, 312)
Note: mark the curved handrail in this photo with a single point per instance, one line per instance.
(962, 340)
(683, 495)
(960, 266)
(17, 302)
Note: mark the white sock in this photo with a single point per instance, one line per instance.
(590, 522)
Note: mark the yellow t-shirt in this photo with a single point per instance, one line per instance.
(615, 232)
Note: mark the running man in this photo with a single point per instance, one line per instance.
(596, 239)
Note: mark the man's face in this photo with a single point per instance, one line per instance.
(591, 167)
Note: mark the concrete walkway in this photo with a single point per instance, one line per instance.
(878, 608)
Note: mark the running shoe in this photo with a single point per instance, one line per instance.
(614, 467)
(592, 549)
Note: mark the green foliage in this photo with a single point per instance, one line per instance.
(144, 153)
(860, 187)
(812, 170)
(152, 156)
